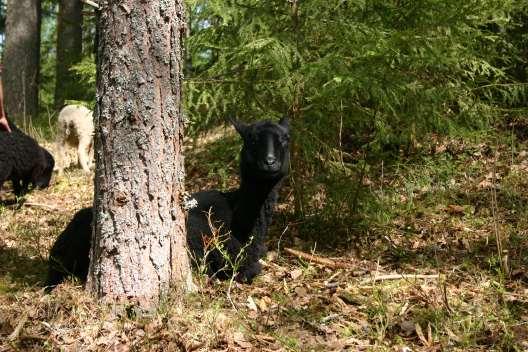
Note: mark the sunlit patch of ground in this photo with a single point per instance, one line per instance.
(428, 276)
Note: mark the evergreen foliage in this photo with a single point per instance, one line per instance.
(362, 81)
(358, 78)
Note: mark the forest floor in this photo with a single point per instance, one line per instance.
(442, 267)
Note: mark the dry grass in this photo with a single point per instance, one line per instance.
(474, 299)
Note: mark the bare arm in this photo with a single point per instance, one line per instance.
(3, 120)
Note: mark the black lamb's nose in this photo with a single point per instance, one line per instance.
(270, 160)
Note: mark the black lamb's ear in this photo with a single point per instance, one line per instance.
(285, 122)
(239, 126)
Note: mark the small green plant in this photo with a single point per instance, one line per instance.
(216, 242)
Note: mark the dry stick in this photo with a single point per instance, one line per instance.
(91, 3)
(446, 301)
(317, 259)
(341, 136)
(494, 210)
(359, 183)
(399, 277)
(280, 239)
(271, 265)
(194, 346)
(41, 205)
(333, 276)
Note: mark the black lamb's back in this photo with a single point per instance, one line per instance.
(218, 204)
(218, 207)
(70, 254)
(23, 161)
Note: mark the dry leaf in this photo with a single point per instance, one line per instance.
(295, 274)
(154, 326)
(440, 148)
(268, 278)
(264, 303)
(452, 335)
(491, 176)
(367, 181)
(251, 304)
(455, 209)
(221, 322)
(420, 334)
(240, 339)
(485, 184)
(301, 291)
(271, 256)
(121, 347)
(407, 327)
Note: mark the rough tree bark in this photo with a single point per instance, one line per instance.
(69, 50)
(139, 245)
(21, 58)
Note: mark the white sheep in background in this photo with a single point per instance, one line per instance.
(75, 128)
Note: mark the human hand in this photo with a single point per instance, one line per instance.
(4, 124)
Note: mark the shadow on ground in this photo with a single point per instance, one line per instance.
(18, 271)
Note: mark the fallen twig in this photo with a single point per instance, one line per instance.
(194, 346)
(399, 277)
(41, 206)
(270, 264)
(316, 259)
(444, 296)
(91, 3)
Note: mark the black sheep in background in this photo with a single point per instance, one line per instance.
(23, 161)
(241, 216)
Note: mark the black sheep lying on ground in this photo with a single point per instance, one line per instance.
(23, 161)
(241, 216)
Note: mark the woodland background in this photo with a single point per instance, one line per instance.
(409, 155)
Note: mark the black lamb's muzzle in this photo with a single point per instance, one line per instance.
(271, 172)
(271, 165)
(44, 180)
(270, 168)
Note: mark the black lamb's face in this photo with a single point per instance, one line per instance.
(265, 151)
(43, 177)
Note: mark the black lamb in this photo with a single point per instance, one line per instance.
(23, 161)
(241, 216)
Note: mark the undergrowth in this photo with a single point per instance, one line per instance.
(453, 211)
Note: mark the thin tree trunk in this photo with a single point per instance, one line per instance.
(139, 245)
(296, 116)
(69, 50)
(21, 59)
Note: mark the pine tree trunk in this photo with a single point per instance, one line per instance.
(139, 245)
(21, 59)
(69, 50)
